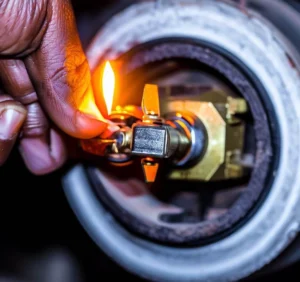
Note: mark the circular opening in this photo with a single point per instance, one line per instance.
(189, 212)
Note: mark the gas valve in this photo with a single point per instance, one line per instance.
(201, 138)
(154, 137)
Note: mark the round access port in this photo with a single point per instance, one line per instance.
(191, 211)
(191, 229)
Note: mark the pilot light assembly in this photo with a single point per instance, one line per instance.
(201, 140)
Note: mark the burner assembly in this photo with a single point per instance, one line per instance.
(200, 182)
(203, 140)
(191, 141)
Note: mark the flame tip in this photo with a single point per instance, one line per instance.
(108, 85)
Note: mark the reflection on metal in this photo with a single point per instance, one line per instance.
(127, 115)
(150, 168)
(150, 101)
(225, 135)
(216, 136)
(116, 147)
(153, 138)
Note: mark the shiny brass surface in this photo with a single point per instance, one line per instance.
(225, 135)
(150, 100)
(126, 112)
(153, 138)
(119, 142)
(214, 155)
(235, 106)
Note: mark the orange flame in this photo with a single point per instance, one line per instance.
(108, 86)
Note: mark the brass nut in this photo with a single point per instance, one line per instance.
(225, 134)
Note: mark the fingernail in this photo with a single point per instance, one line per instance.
(11, 121)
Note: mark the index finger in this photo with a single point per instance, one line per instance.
(60, 73)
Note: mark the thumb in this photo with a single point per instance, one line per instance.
(61, 76)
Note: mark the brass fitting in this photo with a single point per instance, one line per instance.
(220, 115)
(203, 138)
(153, 138)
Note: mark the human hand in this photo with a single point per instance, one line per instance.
(46, 83)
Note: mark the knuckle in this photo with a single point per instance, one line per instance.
(28, 98)
(16, 82)
(36, 123)
(14, 15)
(72, 80)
